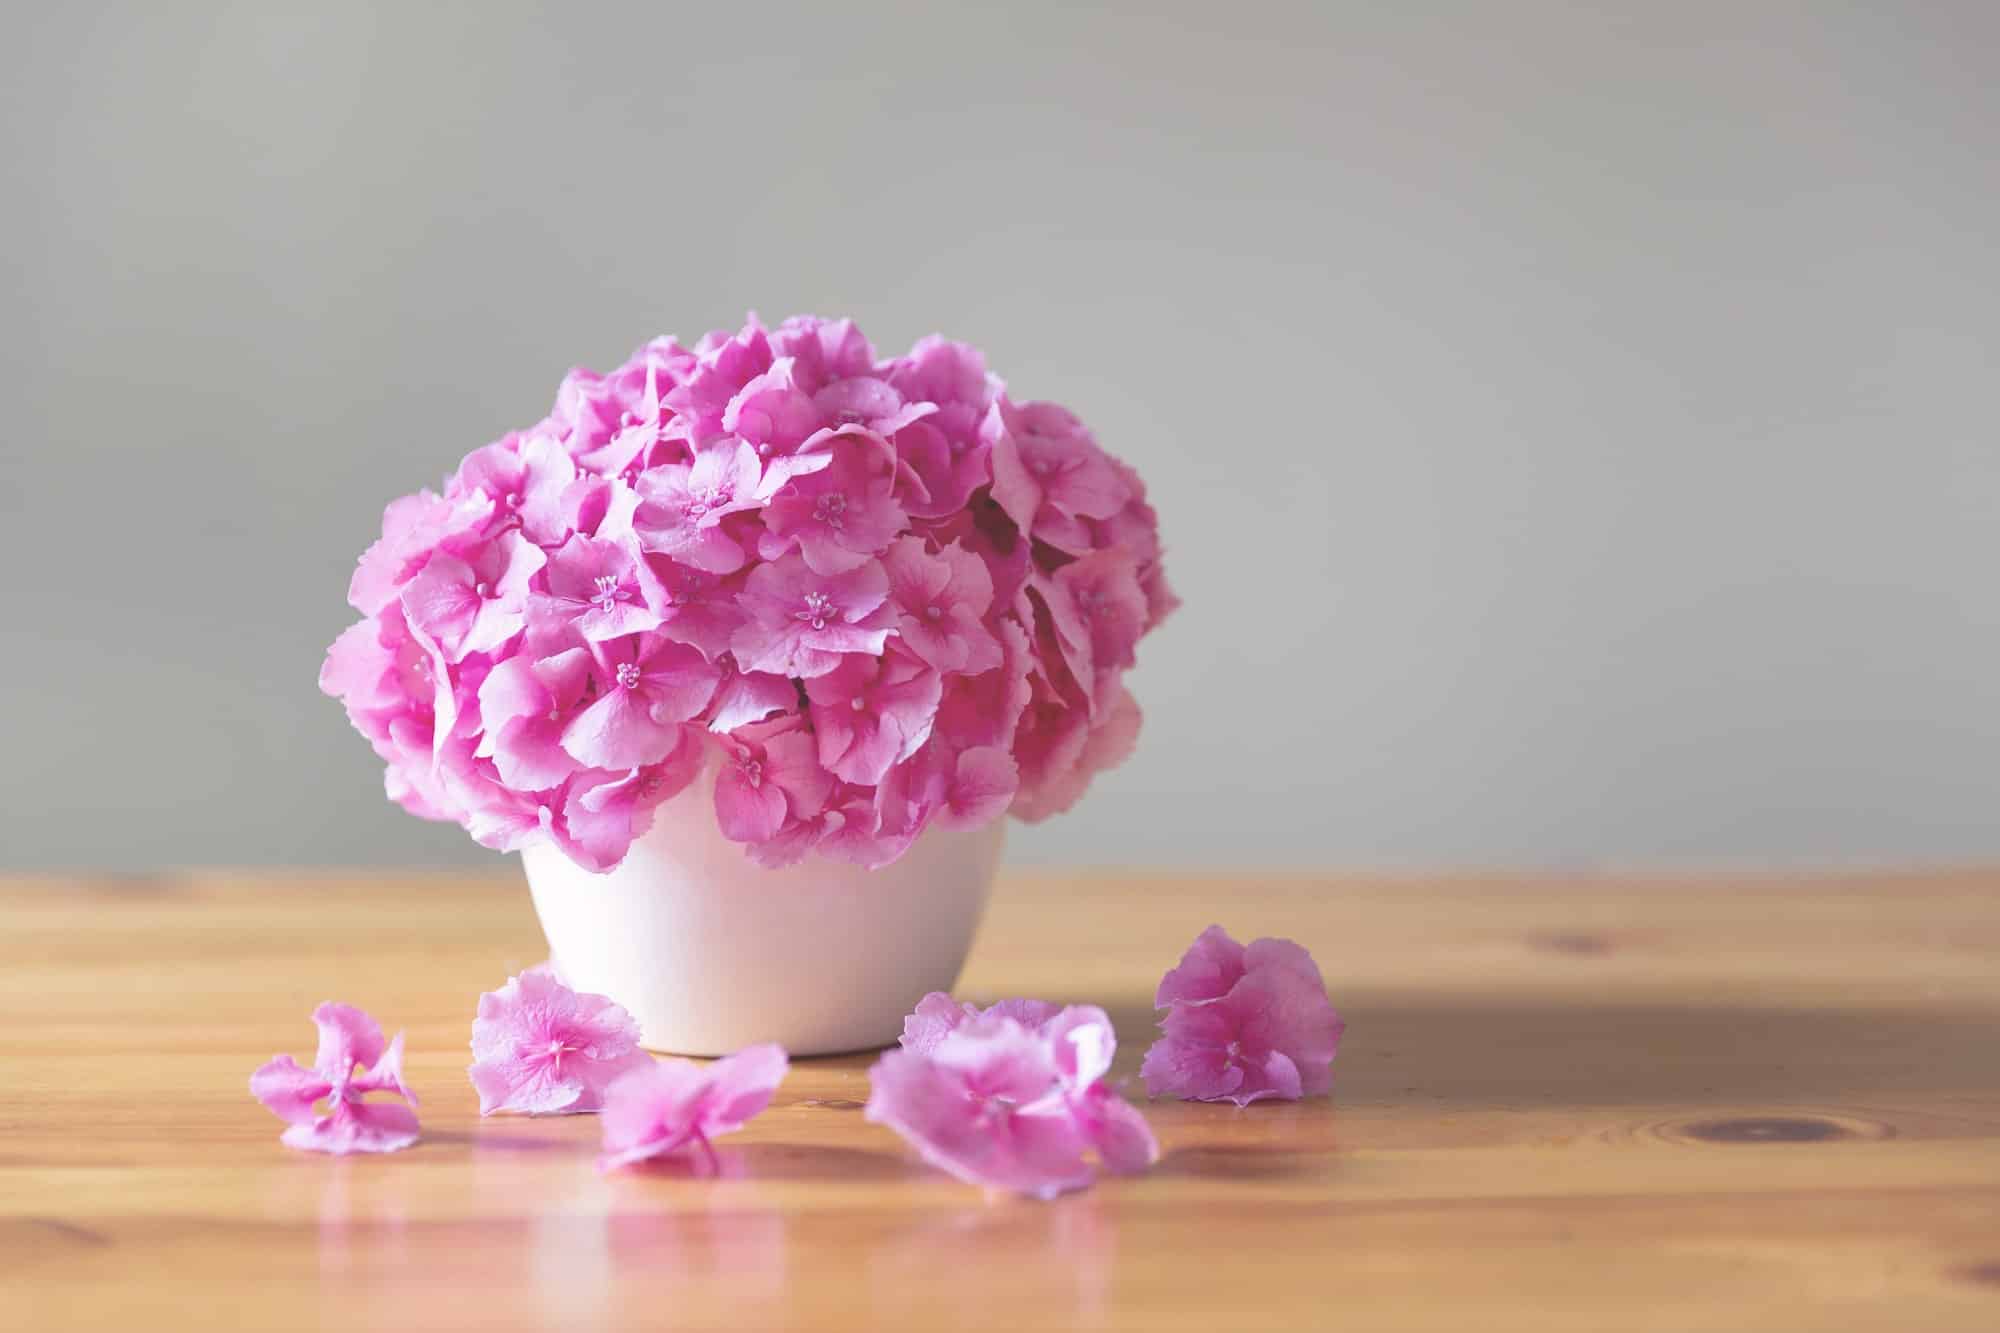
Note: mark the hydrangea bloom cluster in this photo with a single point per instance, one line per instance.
(875, 594)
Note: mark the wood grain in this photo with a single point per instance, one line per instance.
(1581, 1103)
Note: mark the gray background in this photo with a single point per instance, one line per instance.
(1573, 429)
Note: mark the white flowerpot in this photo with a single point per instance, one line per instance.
(711, 952)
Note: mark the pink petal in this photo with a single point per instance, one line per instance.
(672, 1104)
(618, 731)
(357, 1127)
(288, 1090)
(1212, 964)
(347, 1037)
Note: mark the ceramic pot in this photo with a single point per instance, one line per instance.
(711, 952)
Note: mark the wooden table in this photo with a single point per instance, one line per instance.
(1562, 1104)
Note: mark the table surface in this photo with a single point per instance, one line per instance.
(1562, 1103)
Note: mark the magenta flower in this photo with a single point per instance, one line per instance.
(600, 590)
(540, 1048)
(872, 713)
(525, 479)
(603, 813)
(941, 601)
(1050, 476)
(770, 773)
(647, 685)
(682, 506)
(473, 606)
(1243, 1024)
(841, 515)
(802, 624)
(674, 1104)
(352, 1062)
(524, 706)
(999, 1103)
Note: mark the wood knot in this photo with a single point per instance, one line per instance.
(1766, 1129)
(1578, 944)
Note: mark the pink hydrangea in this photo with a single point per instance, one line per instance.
(352, 1062)
(1242, 1024)
(924, 594)
(1014, 1097)
(671, 1105)
(540, 1048)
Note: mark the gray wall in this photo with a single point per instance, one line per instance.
(1574, 431)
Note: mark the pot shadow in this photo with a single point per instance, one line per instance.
(1402, 1049)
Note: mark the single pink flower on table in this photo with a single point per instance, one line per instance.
(803, 624)
(540, 1048)
(674, 1104)
(1243, 1024)
(987, 1105)
(647, 685)
(872, 713)
(941, 599)
(1012, 1097)
(352, 1062)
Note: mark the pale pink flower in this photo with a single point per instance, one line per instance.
(524, 706)
(601, 590)
(670, 1105)
(872, 713)
(962, 790)
(473, 606)
(540, 1048)
(603, 813)
(414, 528)
(352, 1062)
(1243, 1024)
(822, 350)
(701, 607)
(942, 599)
(1006, 1103)
(842, 514)
(647, 685)
(803, 624)
(682, 506)
(745, 697)
(525, 478)
(770, 773)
